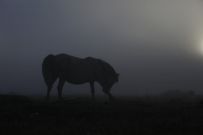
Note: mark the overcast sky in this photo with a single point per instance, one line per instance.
(154, 44)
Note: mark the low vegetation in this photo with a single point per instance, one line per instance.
(81, 116)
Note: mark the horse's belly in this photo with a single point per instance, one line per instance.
(79, 76)
(78, 80)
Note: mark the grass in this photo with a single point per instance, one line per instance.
(81, 116)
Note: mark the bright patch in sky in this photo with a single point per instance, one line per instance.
(200, 49)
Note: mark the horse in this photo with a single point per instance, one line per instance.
(77, 70)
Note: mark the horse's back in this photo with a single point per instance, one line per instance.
(74, 69)
(66, 62)
(80, 70)
(86, 65)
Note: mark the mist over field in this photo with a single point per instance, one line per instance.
(155, 45)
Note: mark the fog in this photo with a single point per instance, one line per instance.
(153, 44)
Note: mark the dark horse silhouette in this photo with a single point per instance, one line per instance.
(78, 71)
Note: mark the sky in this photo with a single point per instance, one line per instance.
(155, 45)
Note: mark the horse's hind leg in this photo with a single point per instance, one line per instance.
(60, 87)
(48, 91)
(49, 82)
(49, 87)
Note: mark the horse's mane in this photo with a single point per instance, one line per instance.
(106, 67)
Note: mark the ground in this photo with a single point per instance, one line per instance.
(81, 116)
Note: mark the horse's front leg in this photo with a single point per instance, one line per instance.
(107, 91)
(60, 87)
(92, 90)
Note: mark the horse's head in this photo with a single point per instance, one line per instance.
(107, 76)
(109, 81)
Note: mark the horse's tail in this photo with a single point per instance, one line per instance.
(49, 70)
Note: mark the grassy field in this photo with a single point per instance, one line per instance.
(81, 116)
